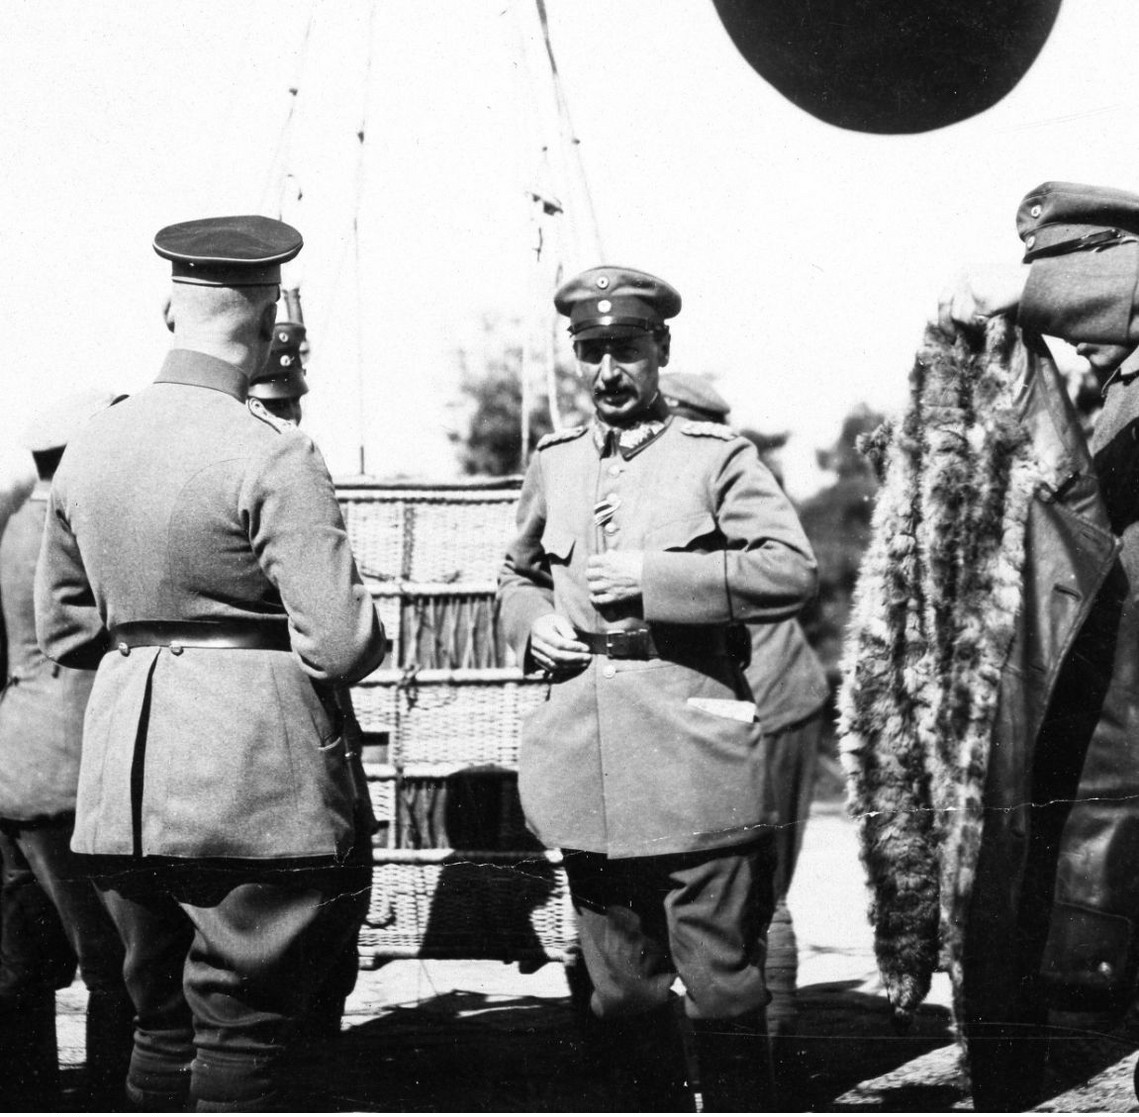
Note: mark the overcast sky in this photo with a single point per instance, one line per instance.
(808, 257)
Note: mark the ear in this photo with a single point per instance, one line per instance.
(267, 321)
(664, 347)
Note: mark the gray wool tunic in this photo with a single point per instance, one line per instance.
(181, 504)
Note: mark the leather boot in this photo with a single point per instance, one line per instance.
(29, 1053)
(643, 1060)
(734, 1064)
(110, 1040)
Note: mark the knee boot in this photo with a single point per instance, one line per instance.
(733, 1064)
(29, 1052)
(643, 1061)
(110, 1041)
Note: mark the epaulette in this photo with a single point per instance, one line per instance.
(554, 437)
(708, 430)
(256, 407)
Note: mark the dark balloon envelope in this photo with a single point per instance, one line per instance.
(890, 66)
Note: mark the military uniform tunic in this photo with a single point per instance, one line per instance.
(635, 757)
(201, 752)
(42, 705)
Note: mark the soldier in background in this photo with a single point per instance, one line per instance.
(790, 690)
(280, 388)
(41, 725)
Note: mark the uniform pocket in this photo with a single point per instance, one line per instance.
(680, 534)
(558, 545)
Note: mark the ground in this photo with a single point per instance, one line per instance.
(479, 1036)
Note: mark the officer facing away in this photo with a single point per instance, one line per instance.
(644, 541)
(195, 554)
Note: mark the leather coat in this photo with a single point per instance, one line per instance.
(1042, 901)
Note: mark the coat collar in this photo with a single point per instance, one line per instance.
(632, 439)
(200, 370)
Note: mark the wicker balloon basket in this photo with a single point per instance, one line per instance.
(457, 875)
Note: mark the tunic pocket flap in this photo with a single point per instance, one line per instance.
(558, 544)
(680, 533)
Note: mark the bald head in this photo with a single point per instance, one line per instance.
(234, 324)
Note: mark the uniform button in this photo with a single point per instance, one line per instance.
(609, 670)
(1036, 211)
(1105, 969)
(614, 470)
(610, 529)
(175, 649)
(1029, 242)
(124, 649)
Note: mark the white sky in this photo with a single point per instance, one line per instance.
(808, 257)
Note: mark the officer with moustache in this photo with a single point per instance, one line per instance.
(195, 554)
(644, 545)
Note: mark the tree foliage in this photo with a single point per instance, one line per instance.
(487, 431)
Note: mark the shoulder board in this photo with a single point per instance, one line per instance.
(708, 430)
(258, 409)
(554, 437)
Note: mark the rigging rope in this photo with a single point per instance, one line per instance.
(361, 136)
(278, 175)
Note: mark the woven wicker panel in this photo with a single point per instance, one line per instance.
(382, 794)
(452, 631)
(453, 540)
(468, 723)
(376, 530)
(469, 909)
(389, 605)
(376, 708)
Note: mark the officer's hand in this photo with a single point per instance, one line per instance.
(614, 576)
(977, 295)
(554, 645)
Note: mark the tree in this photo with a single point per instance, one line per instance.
(488, 428)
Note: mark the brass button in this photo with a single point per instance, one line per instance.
(124, 649)
(1036, 211)
(609, 670)
(614, 470)
(1105, 969)
(175, 649)
(610, 529)
(1029, 242)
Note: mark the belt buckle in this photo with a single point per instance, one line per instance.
(627, 644)
(616, 644)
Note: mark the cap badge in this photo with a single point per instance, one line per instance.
(604, 306)
(603, 281)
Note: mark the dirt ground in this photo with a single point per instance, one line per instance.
(479, 1036)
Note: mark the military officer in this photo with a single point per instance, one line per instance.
(281, 384)
(41, 725)
(279, 387)
(1056, 897)
(790, 690)
(196, 556)
(644, 542)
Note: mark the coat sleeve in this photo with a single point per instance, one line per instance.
(525, 586)
(765, 569)
(298, 534)
(69, 626)
(1085, 296)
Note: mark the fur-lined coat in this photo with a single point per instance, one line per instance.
(990, 547)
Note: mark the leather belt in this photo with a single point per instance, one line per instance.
(270, 634)
(681, 642)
